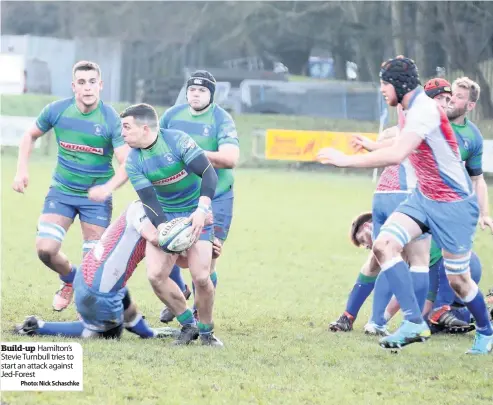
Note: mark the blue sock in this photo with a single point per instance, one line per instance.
(475, 268)
(401, 283)
(186, 318)
(475, 303)
(177, 278)
(421, 284)
(381, 298)
(72, 329)
(140, 327)
(69, 278)
(434, 280)
(360, 292)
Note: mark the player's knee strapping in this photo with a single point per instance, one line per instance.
(88, 245)
(457, 266)
(47, 230)
(397, 232)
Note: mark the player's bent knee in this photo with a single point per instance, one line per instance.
(202, 281)
(156, 278)
(45, 257)
(460, 285)
(385, 248)
(46, 250)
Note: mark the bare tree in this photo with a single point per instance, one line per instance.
(468, 32)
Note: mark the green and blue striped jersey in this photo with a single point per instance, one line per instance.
(213, 128)
(86, 144)
(164, 166)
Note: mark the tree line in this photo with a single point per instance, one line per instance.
(453, 35)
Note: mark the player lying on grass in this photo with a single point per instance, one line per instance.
(444, 204)
(101, 296)
(361, 236)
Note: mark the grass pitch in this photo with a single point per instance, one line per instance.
(285, 273)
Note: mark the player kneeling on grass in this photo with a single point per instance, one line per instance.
(459, 318)
(101, 295)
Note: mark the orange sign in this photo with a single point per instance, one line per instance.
(302, 146)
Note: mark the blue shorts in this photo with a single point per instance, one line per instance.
(383, 205)
(91, 212)
(207, 231)
(100, 312)
(222, 209)
(452, 224)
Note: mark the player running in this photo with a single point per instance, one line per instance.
(394, 186)
(101, 296)
(88, 133)
(173, 178)
(213, 129)
(444, 203)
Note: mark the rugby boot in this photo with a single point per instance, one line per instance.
(63, 297)
(343, 324)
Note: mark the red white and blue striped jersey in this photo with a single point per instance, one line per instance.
(108, 266)
(397, 179)
(437, 162)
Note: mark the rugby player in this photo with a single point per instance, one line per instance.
(465, 95)
(173, 178)
(394, 186)
(444, 203)
(213, 129)
(101, 296)
(88, 134)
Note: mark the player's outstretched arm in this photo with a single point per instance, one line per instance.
(21, 179)
(388, 156)
(386, 139)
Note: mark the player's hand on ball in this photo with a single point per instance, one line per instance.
(21, 180)
(99, 193)
(217, 247)
(198, 221)
(331, 156)
(485, 221)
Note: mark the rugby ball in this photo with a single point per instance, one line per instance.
(176, 235)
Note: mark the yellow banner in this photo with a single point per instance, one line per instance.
(302, 146)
